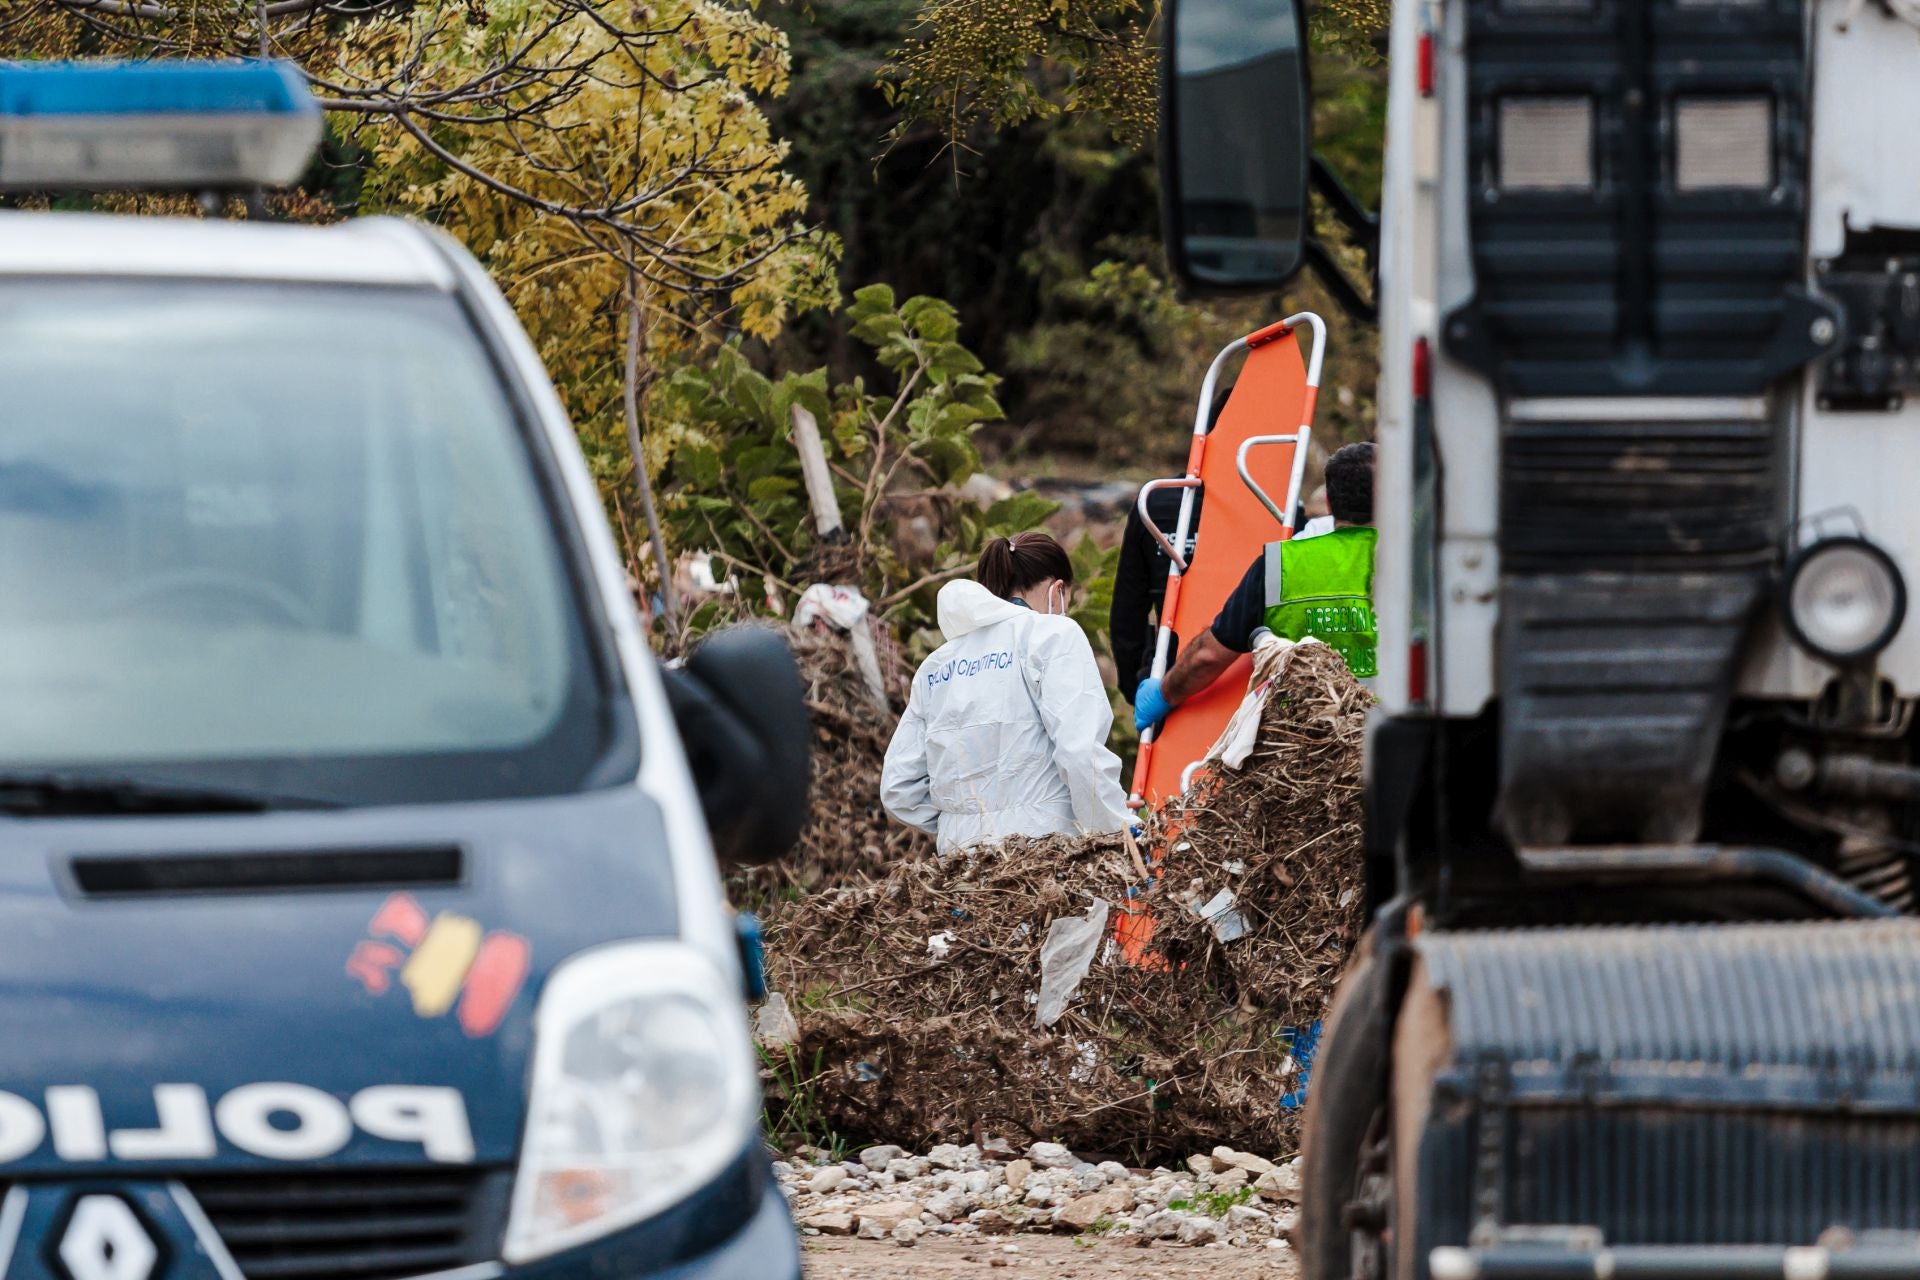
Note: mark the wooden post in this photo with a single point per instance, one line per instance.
(662, 563)
(813, 466)
(826, 520)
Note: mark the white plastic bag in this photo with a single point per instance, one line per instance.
(842, 608)
(1237, 740)
(1065, 957)
(774, 1026)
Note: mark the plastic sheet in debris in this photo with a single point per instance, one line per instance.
(1065, 957)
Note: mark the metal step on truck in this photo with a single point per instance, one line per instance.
(1642, 994)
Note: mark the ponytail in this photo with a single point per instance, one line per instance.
(1011, 565)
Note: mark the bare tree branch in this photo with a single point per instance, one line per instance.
(121, 8)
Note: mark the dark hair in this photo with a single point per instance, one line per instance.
(1011, 565)
(1350, 484)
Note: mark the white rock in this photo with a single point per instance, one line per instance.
(878, 1158)
(887, 1215)
(1018, 1171)
(907, 1231)
(978, 1180)
(1113, 1171)
(1051, 1155)
(946, 1156)
(1163, 1225)
(1197, 1230)
(1231, 1180)
(1242, 1216)
(1200, 1164)
(1089, 1178)
(1228, 1158)
(827, 1179)
(947, 1205)
(910, 1167)
(1278, 1243)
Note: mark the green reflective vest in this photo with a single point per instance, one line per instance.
(1323, 587)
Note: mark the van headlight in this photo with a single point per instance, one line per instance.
(644, 1089)
(1843, 598)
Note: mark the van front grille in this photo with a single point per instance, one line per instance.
(373, 1225)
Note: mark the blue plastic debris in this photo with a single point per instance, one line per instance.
(1301, 1043)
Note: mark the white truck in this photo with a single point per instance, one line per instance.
(1642, 997)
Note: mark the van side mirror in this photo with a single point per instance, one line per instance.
(1235, 137)
(742, 712)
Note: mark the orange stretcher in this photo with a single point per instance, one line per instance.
(1239, 463)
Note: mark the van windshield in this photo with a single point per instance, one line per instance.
(282, 537)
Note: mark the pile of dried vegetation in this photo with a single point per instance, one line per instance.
(916, 993)
(848, 837)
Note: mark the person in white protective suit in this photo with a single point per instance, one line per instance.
(1005, 732)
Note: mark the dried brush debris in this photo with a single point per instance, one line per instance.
(848, 837)
(915, 991)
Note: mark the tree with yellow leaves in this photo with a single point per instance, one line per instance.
(603, 158)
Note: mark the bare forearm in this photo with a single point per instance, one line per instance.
(1204, 661)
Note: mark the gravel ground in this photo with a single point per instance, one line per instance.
(1057, 1257)
(1000, 1205)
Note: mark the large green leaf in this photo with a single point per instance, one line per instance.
(768, 488)
(1018, 512)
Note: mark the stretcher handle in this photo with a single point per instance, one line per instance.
(1240, 465)
(1140, 504)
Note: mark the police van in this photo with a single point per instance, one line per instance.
(358, 886)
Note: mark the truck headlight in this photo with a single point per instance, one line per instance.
(644, 1089)
(1843, 598)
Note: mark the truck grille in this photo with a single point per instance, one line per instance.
(373, 1225)
(1695, 1085)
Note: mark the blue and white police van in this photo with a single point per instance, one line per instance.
(359, 909)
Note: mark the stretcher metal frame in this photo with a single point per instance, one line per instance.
(1191, 483)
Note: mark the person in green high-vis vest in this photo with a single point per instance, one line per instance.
(1318, 586)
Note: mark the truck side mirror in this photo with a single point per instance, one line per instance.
(742, 713)
(1235, 136)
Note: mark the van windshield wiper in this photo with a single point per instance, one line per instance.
(82, 792)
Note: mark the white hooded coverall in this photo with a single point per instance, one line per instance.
(1005, 732)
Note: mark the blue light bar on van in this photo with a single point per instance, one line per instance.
(173, 126)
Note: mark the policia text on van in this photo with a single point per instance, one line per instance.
(1642, 786)
(354, 853)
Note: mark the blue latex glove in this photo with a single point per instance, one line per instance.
(1150, 706)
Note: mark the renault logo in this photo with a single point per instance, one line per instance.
(105, 1241)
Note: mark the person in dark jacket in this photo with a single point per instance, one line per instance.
(1140, 580)
(1140, 587)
